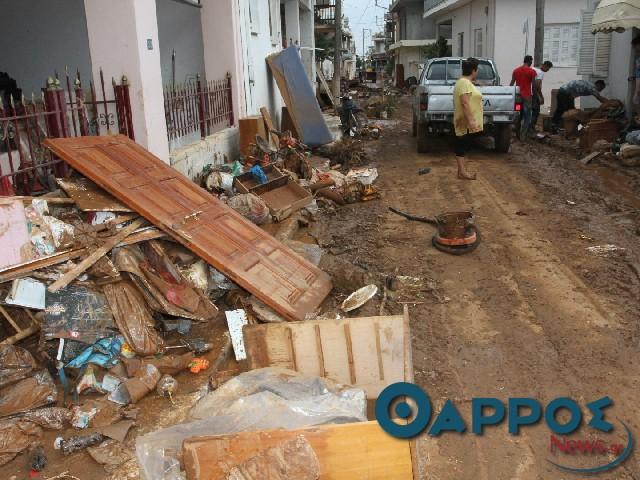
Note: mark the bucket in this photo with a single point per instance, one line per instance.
(455, 225)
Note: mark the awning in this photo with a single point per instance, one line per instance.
(616, 16)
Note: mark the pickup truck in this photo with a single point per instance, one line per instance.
(433, 102)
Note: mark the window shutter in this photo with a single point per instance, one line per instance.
(603, 47)
(587, 45)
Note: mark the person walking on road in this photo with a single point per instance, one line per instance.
(567, 94)
(468, 114)
(523, 77)
(538, 96)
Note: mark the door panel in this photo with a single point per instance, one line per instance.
(249, 256)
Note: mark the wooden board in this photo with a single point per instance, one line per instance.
(245, 253)
(249, 128)
(369, 353)
(274, 140)
(89, 197)
(14, 235)
(325, 87)
(353, 451)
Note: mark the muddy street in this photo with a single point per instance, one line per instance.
(530, 313)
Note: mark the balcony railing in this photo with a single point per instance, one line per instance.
(325, 14)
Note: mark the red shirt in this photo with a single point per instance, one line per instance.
(524, 77)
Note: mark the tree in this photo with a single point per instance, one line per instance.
(325, 45)
(437, 49)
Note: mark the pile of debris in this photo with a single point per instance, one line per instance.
(123, 272)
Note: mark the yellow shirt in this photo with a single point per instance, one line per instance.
(463, 87)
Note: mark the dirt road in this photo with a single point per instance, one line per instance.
(531, 313)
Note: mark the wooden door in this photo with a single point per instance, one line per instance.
(246, 254)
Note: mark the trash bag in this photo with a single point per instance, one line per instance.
(251, 207)
(264, 399)
(258, 174)
(52, 418)
(133, 317)
(134, 389)
(16, 363)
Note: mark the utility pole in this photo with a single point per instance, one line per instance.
(538, 51)
(337, 58)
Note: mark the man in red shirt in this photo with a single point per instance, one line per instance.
(524, 77)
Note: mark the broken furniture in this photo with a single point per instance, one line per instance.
(250, 127)
(299, 96)
(344, 451)
(282, 195)
(239, 249)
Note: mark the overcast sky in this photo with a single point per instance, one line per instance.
(362, 15)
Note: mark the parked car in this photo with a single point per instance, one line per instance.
(433, 102)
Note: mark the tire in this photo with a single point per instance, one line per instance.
(502, 138)
(422, 138)
(414, 127)
(361, 119)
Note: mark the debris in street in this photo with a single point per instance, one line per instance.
(110, 454)
(37, 390)
(15, 437)
(291, 459)
(167, 387)
(359, 298)
(607, 250)
(78, 443)
(27, 292)
(208, 231)
(52, 418)
(424, 171)
(14, 236)
(357, 450)
(37, 458)
(299, 96)
(589, 158)
(135, 388)
(368, 353)
(236, 319)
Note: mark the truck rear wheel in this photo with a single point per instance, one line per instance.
(502, 138)
(414, 126)
(422, 138)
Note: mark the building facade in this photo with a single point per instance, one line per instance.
(410, 34)
(159, 45)
(505, 31)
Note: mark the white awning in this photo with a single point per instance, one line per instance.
(616, 16)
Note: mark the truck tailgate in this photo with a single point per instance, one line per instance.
(495, 99)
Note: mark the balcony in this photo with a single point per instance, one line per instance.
(429, 4)
(325, 15)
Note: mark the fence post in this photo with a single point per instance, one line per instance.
(230, 93)
(201, 110)
(56, 116)
(83, 120)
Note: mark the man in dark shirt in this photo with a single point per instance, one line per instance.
(523, 77)
(567, 94)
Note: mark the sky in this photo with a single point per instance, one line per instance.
(362, 15)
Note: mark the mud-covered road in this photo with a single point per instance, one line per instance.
(530, 313)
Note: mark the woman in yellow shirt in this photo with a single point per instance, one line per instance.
(468, 113)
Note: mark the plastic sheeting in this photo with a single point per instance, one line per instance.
(133, 317)
(27, 394)
(16, 363)
(264, 399)
(299, 96)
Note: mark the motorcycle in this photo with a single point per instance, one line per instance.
(352, 117)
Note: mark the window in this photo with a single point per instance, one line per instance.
(274, 18)
(561, 42)
(477, 33)
(461, 44)
(451, 70)
(254, 16)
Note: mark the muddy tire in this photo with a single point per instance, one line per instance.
(502, 138)
(422, 138)
(414, 127)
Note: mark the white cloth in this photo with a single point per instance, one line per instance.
(540, 73)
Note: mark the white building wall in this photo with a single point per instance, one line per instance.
(42, 37)
(180, 28)
(620, 68)
(257, 43)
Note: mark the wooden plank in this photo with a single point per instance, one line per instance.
(268, 123)
(325, 87)
(587, 159)
(89, 197)
(249, 128)
(369, 353)
(50, 200)
(100, 252)
(353, 451)
(246, 254)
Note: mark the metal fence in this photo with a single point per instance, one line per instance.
(198, 108)
(26, 167)
(325, 14)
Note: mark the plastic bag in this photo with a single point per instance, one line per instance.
(258, 174)
(633, 137)
(16, 437)
(133, 317)
(29, 393)
(251, 207)
(53, 418)
(264, 399)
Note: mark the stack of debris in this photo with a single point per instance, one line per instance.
(592, 126)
